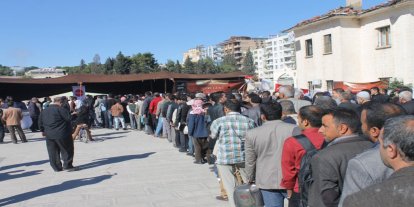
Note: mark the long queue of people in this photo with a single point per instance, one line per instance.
(338, 149)
(293, 147)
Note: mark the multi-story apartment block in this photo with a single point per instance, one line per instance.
(352, 44)
(214, 52)
(194, 54)
(239, 45)
(280, 58)
(260, 64)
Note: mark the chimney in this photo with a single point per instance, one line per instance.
(356, 4)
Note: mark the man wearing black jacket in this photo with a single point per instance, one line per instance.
(54, 122)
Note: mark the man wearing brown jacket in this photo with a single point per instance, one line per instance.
(116, 111)
(12, 116)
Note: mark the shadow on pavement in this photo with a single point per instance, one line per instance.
(67, 185)
(110, 133)
(40, 162)
(112, 160)
(12, 174)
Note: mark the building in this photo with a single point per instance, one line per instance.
(214, 52)
(239, 45)
(194, 54)
(280, 58)
(352, 44)
(260, 64)
(46, 73)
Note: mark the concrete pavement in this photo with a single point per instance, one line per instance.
(122, 168)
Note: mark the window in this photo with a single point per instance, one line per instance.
(327, 41)
(309, 48)
(384, 36)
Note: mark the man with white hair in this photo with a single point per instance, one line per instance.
(406, 101)
(363, 97)
(288, 92)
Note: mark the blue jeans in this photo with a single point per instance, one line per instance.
(190, 145)
(273, 198)
(158, 130)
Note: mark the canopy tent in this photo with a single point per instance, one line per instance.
(25, 88)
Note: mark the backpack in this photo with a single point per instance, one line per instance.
(305, 173)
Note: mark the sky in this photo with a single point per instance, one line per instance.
(49, 33)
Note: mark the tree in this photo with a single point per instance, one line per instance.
(248, 63)
(144, 63)
(95, 66)
(229, 64)
(178, 67)
(6, 71)
(109, 66)
(398, 84)
(170, 66)
(82, 65)
(188, 66)
(122, 64)
(209, 66)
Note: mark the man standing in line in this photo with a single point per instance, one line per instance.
(12, 116)
(396, 151)
(34, 111)
(309, 120)
(367, 168)
(287, 92)
(230, 131)
(146, 113)
(340, 128)
(407, 102)
(153, 111)
(261, 142)
(55, 125)
(254, 111)
(109, 103)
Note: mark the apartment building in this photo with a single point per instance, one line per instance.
(239, 45)
(194, 54)
(356, 45)
(214, 52)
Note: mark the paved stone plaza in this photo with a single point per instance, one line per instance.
(122, 168)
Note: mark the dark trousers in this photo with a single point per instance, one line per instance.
(1, 132)
(183, 140)
(154, 122)
(13, 129)
(35, 126)
(60, 149)
(201, 148)
(104, 118)
(177, 138)
(294, 200)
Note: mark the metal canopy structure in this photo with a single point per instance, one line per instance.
(25, 88)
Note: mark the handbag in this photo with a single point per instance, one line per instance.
(185, 130)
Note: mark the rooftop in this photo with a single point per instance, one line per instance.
(346, 11)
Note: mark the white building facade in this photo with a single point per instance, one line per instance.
(279, 61)
(357, 46)
(214, 52)
(46, 73)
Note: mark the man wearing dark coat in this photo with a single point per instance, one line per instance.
(54, 122)
(396, 150)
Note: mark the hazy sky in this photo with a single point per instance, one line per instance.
(47, 33)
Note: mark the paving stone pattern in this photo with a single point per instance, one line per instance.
(122, 168)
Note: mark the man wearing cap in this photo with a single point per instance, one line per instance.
(363, 97)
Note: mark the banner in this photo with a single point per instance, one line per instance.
(79, 93)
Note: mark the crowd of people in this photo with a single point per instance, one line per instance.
(339, 149)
